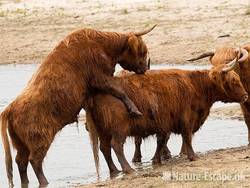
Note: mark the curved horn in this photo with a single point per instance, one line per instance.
(144, 32)
(206, 54)
(232, 64)
(244, 53)
(238, 51)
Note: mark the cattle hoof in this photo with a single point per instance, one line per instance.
(166, 157)
(136, 160)
(11, 184)
(193, 158)
(24, 185)
(114, 173)
(129, 171)
(43, 185)
(156, 161)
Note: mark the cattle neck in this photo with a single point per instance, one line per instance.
(206, 88)
(113, 43)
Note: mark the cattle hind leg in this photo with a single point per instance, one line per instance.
(36, 159)
(105, 147)
(22, 160)
(246, 112)
(117, 145)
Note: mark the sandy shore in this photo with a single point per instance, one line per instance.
(31, 29)
(220, 168)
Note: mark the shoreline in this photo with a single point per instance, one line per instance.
(228, 168)
(217, 163)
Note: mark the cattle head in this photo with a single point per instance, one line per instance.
(228, 81)
(135, 55)
(227, 54)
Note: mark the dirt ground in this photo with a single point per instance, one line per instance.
(30, 29)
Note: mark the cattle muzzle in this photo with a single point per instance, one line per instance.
(144, 69)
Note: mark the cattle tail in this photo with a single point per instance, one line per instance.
(93, 139)
(4, 123)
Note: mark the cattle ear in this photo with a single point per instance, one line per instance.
(133, 44)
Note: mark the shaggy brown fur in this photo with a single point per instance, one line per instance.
(80, 65)
(226, 54)
(172, 100)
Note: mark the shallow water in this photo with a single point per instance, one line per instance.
(69, 161)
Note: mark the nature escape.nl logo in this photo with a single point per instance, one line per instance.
(202, 176)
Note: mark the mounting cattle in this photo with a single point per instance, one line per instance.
(80, 65)
(171, 100)
(223, 56)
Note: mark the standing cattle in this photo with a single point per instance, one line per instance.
(172, 100)
(80, 65)
(223, 56)
(219, 57)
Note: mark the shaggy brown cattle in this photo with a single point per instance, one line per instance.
(80, 65)
(223, 56)
(171, 101)
(219, 57)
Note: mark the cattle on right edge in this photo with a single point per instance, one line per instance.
(171, 100)
(223, 56)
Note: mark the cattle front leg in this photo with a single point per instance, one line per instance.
(161, 142)
(165, 153)
(183, 148)
(113, 86)
(246, 112)
(187, 137)
(137, 155)
(38, 169)
(105, 147)
(117, 145)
